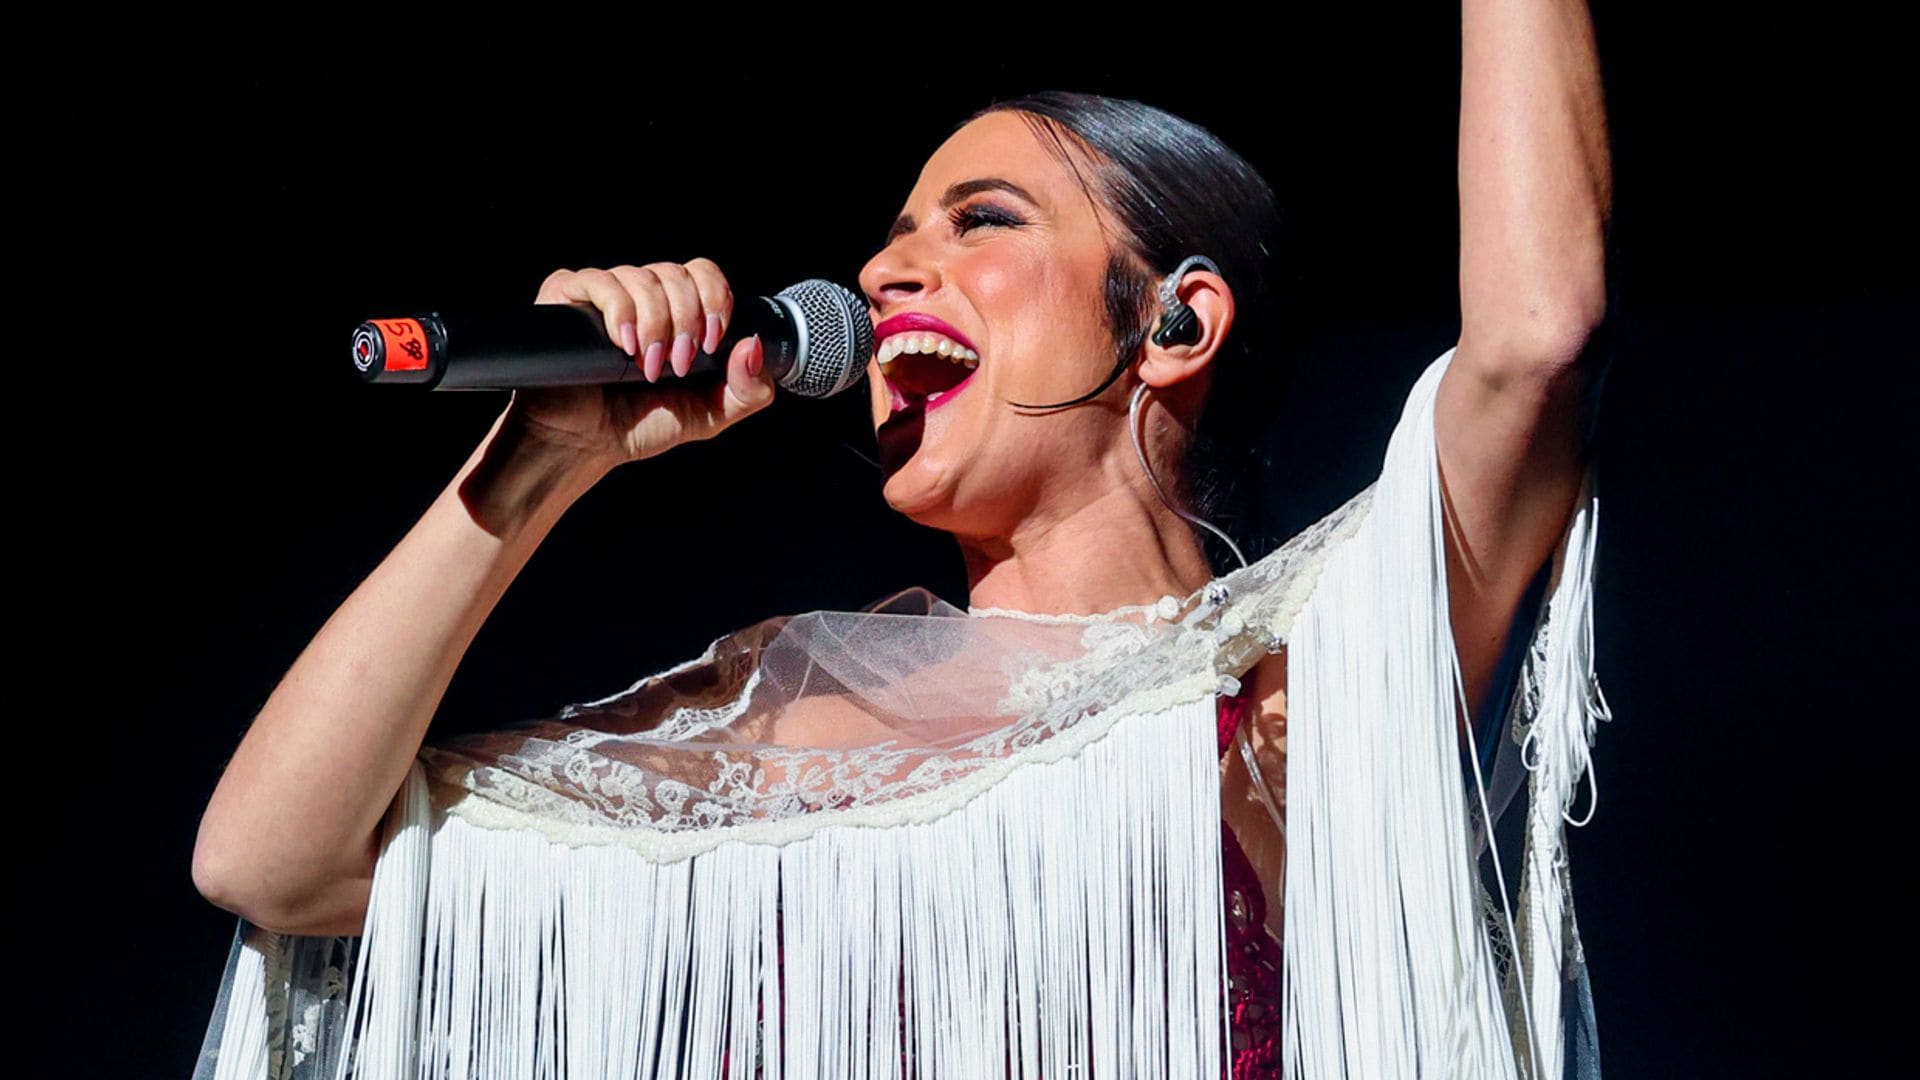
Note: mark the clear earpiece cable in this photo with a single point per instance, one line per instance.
(1133, 427)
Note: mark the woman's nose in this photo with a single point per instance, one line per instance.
(895, 275)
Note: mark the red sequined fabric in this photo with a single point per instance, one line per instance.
(1253, 957)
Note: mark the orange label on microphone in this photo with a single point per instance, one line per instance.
(406, 344)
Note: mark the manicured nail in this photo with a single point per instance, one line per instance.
(656, 352)
(755, 359)
(712, 340)
(629, 339)
(682, 352)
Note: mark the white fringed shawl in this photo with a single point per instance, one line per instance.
(931, 842)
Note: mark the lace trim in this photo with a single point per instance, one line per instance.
(1330, 529)
(573, 795)
(657, 846)
(1151, 611)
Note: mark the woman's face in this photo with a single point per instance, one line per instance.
(998, 241)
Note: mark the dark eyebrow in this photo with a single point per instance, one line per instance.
(905, 223)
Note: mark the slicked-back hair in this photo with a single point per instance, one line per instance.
(1174, 190)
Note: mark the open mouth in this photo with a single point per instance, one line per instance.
(920, 383)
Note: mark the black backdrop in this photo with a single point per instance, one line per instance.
(205, 223)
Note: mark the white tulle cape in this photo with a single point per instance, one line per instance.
(917, 840)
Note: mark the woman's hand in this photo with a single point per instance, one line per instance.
(658, 313)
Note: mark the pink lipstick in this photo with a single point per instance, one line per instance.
(908, 321)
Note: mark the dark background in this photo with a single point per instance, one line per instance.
(205, 225)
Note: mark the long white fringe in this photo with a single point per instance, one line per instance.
(1389, 972)
(386, 980)
(1067, 922)
(257, 960)
(1563, 702)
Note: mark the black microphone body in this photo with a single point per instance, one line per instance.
(817, 338)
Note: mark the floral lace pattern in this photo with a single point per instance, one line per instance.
(896, 713)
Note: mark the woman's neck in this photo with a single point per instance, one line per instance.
(1110, 552)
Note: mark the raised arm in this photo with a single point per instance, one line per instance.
(1535, 196)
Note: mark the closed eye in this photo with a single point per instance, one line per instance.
(967, 218)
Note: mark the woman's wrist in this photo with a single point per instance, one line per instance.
(518, 478)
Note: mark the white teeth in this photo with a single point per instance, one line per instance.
(929, 343)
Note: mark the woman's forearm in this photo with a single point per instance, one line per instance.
(1535, 178)
(290, 834)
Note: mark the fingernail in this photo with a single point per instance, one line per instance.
(629, 339)
(712, 341)
(651, 364)
(682, 352)
(755, 359)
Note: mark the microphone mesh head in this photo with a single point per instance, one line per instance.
(836, 338)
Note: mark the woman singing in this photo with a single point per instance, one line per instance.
(1049, 834)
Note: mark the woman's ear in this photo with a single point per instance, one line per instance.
(1207, 294)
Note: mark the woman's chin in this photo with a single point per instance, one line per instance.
(921, 489)
(910, 489)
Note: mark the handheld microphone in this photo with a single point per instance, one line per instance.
(817, 336)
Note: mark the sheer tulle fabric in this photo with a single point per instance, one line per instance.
(902, 713)
(894, 713)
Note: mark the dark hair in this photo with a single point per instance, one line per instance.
(1177, 190)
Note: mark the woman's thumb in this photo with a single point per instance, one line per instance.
(747, 378)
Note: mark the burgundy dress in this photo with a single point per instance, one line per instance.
(1253, 957)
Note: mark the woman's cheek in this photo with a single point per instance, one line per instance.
(995, 279)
